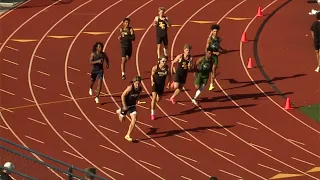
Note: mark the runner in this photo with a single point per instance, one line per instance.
(159, 74)
(207, 65)
(315, 32)
(184, 64)
(162, 23)
(126, 37)
(129, 99)
(214, 42)
(97, 58)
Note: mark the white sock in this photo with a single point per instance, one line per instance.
(165, 52)
(197, 94)
(122, 73)
(152, 112)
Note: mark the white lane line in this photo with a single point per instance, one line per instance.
(108, 129)
(110, 149)
(34, 139)
(37, 121)
(224, 152)
(65, 96)
(217, 132)
(39, 86)
(261, 147)
(72, 116)
(4, 127)
(178, 119)
(247, 126)
(12, 48)
(303, 161)
(150, 164)
(182, 137)
(186, 158)
(28, 100)
(147, 143)
(294, 141)
(106, 110)
(7, 92)
(10, 62)
(230, 174)
(144, 124)
(73, 68)
(276, 170)
(43, 73)
(9, 76)
(40, 57)
(113, 171)
(185, 178)
(72, 154)
(4, 109)
(72, 135)
(142, 106)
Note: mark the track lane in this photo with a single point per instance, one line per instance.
(184, 173)
(20, 135)
(202, 127)
(285, 80)
(81, 163)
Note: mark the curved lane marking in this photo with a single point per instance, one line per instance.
(1, 48)
(35, 99)
(78, 106)
(138, 70)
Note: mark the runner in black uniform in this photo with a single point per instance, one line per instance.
(97, 58)
(129, 99)
(184, 65)
(159, 74)
(315, 33)
(126, 37)
(162, 23)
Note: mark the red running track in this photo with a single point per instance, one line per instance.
(190, 143)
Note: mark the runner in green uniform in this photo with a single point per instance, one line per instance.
(214, 41)
(207, 66)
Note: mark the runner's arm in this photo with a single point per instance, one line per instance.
(153, 70)
(123, 96)
(174, 62)
(155, 21)
(133, 36)
(167, 22)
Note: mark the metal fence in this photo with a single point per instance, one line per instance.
(29, 168)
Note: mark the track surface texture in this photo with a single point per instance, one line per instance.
(241, 130)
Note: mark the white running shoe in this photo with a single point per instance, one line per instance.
(97, 100)
(318, 69)
(90, 92)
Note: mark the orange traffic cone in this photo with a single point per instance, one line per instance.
(250, 64)
(259, 13)
(244, 37)
(288, 105)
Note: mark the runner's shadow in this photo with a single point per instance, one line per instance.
(250, 83)
(253, 96)
(154, 131)
(43, 4)
(195, 109)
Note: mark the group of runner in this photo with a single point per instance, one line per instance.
(161, 73)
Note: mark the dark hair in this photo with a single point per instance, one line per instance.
(210, 49)
(318, 15)
(94, 48)
(137, 78)
(91, 170)
(126, 19)
(213, 178)
(215, 26)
